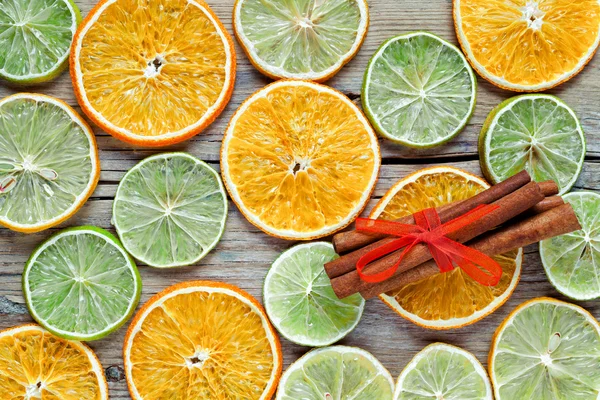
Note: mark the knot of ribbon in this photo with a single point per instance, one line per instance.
(429, 229)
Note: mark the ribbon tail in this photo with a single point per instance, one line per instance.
(406, 242)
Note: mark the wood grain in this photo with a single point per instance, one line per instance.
(245, 254)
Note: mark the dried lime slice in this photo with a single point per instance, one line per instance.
(337, 372)
(300, 39)
(535, 132)
(170, 210)
(572, 261)
(80, 284)
(35, 38)
(300, 301)
(441, 371)
(546, 350)
(419, 90)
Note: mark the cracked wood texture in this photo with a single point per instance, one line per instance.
(244, 254)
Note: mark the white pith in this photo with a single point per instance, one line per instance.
(93, 159)
(500, 80)
(209, 112)
(134, 330)
(307, 24)
(423, 94)
(233, 189)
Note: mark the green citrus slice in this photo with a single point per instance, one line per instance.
(300, 39)
(441, 371)
(535, 132)
(337, 372)
(419, 90)
(546, 350)
(299, 299)
(572, 261)
(80, 284)
(48, 162)
(170, 210)
(35, 38)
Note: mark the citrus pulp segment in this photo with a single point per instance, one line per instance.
(35, 364)
(441, 371)
(80, 284)
(35, 38)
(538, 133)
(170, 210)
(300, 301)
(300, 160)
(453, 299)
(300, 39)
(546, 350)
(572, 261)
(337, 372)
(202, 340)
(49, 162)
(528, 45)
(152, 73)
(419, 90)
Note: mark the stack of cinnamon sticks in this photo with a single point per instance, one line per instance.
(527, 212)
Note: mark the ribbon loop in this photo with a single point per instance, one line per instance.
(429, 229)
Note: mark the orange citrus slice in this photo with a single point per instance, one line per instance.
(34, 364)
(450, 300)
(202, 340)
(152, 73)
(528, 45)
(300, 160)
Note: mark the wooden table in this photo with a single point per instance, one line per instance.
(244, 254)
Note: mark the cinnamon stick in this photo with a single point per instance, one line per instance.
(509, 207)
(547, 204)
(554, 222)
(345, 242)
(549, 188)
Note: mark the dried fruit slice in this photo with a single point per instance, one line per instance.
(300, 160)
(34, 364)
(528, 45)
(49, 162)
(202, 340)
(546, 350)
(300, 39)
(35, 38)
(572, 261)
(170, 210)
(337, 372)
(300, 301)
(453, 299)
(419, 90)
(441, 371)
(152, 73)
(536, 132)
(80, 284)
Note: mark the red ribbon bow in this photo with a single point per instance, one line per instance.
(429, 230)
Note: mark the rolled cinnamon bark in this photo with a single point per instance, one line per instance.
(345, 242)
(554, 222)
(547, 204)
(510, 206)
(549, 188)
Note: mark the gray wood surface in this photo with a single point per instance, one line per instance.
(245, 254)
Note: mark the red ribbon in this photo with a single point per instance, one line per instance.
(429, 230)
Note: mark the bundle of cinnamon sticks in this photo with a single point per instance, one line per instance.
(527, 212)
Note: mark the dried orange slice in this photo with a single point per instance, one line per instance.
(528, 45)
(34, 364)
(152, 73)
(202, 340)
(453, 299)
(300, 160)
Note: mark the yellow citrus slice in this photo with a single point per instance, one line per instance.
(34, 364)
(450, 300)
(152, 73)
(202, 340)
(528, 45)
(300, 160)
